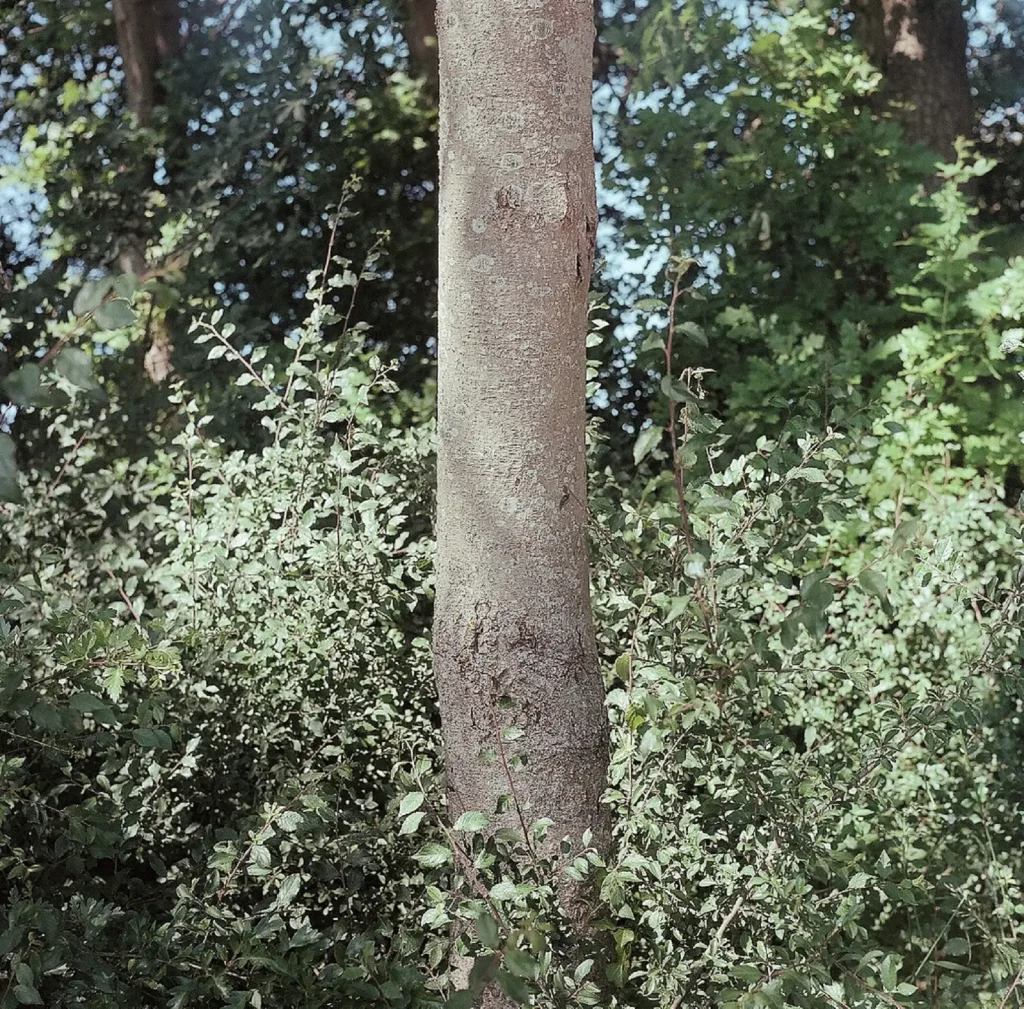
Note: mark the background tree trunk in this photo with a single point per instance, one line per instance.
(921, 48)
(513, 633)
(420, 33)
(147, 34)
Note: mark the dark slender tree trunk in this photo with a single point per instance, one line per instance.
(147, 35)
(920, 46)
(420, 31)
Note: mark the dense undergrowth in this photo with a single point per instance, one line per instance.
(220, 749)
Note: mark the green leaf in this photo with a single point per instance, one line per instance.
(694, 332)
(126, 285)
(116, 314)
(27, 995)
(10, 485)
(10, 940)
(505, 890)
(649, 305)
(817, 590)
(715, 504)
(46, 716)
(487, 929)
(483, 971)
(91, 295)
(290, 887)
(904, 534)
(472, 822)
(411, 823)
(460, 1000)
(391, 990)
(113, 682)
(152, 739)
(24, 385)
(86, 702)
(874, 584)
(433, 855)
(676, 391)
(888, 969)
(810, 474)
(514, 987)
(410, 803)
(649, 438)
(520, 963)
(539, 829)
(76, 366)
(290, 820)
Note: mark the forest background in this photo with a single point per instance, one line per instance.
(219, 778)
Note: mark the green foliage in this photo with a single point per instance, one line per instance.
(817, 720)
(195, 786)
(841, 287)
(749, 146)
(815, 702)
(957, 394)
(222, 202)
(809, 218)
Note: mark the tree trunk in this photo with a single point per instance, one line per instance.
(420, 32)
(147, 33)
(513, 632)
(921, 48)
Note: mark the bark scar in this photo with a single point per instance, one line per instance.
(585, 249)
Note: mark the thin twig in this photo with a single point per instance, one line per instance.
(57, 479)
(515, 797)
(1009, 991)
(731, 916)
(121, 592)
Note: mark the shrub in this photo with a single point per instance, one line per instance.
(196, 781)
(221, 787)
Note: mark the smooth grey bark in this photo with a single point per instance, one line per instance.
(921, 48)
(513, 632)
